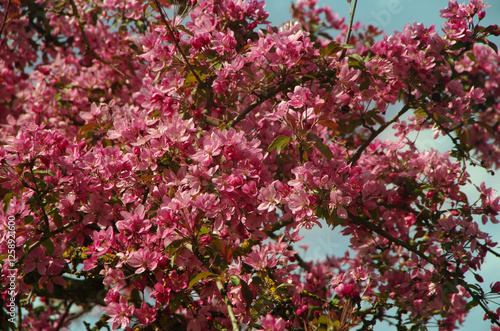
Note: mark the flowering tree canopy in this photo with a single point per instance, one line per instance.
(163, 159)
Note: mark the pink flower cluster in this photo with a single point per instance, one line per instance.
(172, 164)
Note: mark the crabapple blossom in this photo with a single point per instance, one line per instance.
(168, 157)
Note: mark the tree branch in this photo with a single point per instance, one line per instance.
(261, 100)
(348, 36)
(378, 230)
(45, 237)
(360, 221)
(229, 306)
(360, 150)
(5, 18)
(274, 92)
(87, 43)
(176, 42)
(63, 317)
(492, 251)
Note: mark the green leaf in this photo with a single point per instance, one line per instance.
(471, 57)
(284, 285)
(57, 219)
(247, 294)
(49, 245)
(471, 304)
(44, 173)
(450, 288)
(235, 281)
(331, 48)
(493, 46)
(279, 143)
(176, 302)
(324, 320)
(324, 149)
(28, 219)
(200, 276)
(6, 201)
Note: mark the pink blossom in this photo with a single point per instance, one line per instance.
(269, 198)
(120, 312)
(271, 323)
(144, 260)
(495, 288)
(113, 277)
(146, 314)
(52, 276)
(259, 258)
(36, 259)
(134, 223)
(299, 204)
(103, 240)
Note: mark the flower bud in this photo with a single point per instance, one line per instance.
(495, 288)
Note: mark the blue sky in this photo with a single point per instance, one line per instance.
(391, 15)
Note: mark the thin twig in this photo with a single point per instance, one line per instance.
(360, 150)
(492, 251)
(39, 195)
(360, 221)
(5, 18)
(19, 315)
(479, 300)
(261, 100)
(87, 43)
(274, 92)
(378, 230)
(295, 82)
(176, 42)
(349, 29)
(297, 257)
(45, 237)
(63, 317)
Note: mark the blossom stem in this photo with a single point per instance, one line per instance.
(5, 17)
(360, 150)
(45, 237)
(479, 299)
(87, 43)
(229, 306)
(261, 100)
(63, 317)
(39, 195)
(380, 231)
(492, 251)
(274, 92)
(176, 42)
(412, 249)
(349, 29)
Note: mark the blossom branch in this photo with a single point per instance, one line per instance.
(348, 36)
(260, 101)
(45, 237)
(63, 317)
(377, 229)
(492, 251)
(45, 217)
(176, 42)
(360, 150)
(274, 92)
(86, 42)
(479, 299)
(247, 245)
(297, 257)
(5, 18)
(229, 306)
